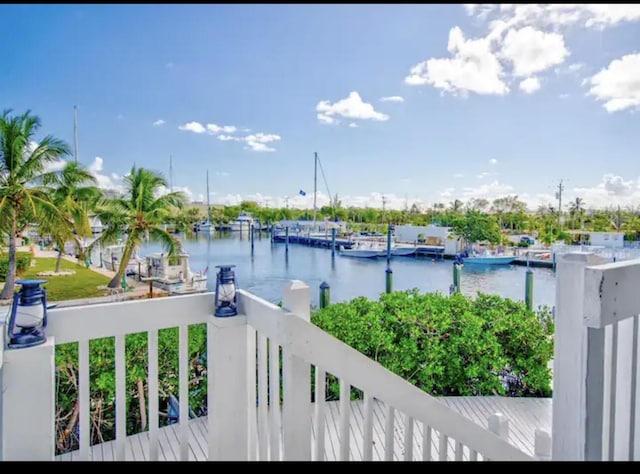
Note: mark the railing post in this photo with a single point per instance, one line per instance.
(499, 425)
(388, 278)
(27, 389)
(325, 297)
(570, 364)
(528, 289)
(542, 445)
(296, 410)
(229, 392)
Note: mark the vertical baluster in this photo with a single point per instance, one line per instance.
(408, 438)
(459, 451)
(613, 369)
(263, 403)
(473, 455)
(153, 395)
(121, 400)
(321, 380)
(443, 453)
(183, 371)
(84, 398)
(274, 398)
(633, 390)
(389, 428)
(426, 442)
(345, 401)
(368, 426)
(252, 383)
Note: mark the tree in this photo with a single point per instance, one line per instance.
(74, 201)
(477, 227)
(576, 211)
(139, 214)
(22, 165)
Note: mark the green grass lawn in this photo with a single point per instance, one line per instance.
(84, 284)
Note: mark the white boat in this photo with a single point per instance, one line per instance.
(174, 275)
(111, 256)
(203, 226)
(490, 260)
(362, 250)
(242, 223)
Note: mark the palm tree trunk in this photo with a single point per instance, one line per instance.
(10, 281)
(116, 281)
(59, 261)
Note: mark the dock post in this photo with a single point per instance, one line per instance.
(251, 228)
(388, 244)
(554, 260)
(528, 289)
(456, 278)
(286, 239)
(388, 280)
(333, 242)
(325, 294)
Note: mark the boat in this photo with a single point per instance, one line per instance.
(174, 275)
(243, 222)
(362, 250)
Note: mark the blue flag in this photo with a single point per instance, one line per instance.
(302, 193)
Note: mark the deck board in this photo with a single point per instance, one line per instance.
(525, 415)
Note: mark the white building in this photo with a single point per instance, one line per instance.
(603, 239)
(430, 235)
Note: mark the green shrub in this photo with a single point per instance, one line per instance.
(23, 260)
(449, 345)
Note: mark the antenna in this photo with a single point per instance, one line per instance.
(75, 132)
(315, 184)
(171, 173)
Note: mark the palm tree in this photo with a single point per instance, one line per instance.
(576, 210)
(139, 214)
(22, 165)
(75, 201)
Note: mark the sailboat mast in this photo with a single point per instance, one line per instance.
(75, 132)
(315, 185)
(170, 173)
(208, 208)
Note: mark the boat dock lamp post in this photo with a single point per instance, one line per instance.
(28, 316)
(226, 301)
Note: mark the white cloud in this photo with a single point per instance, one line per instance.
(458, 175)
(575, 67)
(563, 96)
(224, 174)
(393, 98)
(213, 128)
(168, 65)
(352, 107)
(530, 85)
(56, 165)
(473, 68)
(488, 191)
(531, 51)
(105, 181)
(195, 127)
(493, 161)
(482, 175)
(188, 194)
(228, 138)
(159, 123)
(618, 85)
(258, 142)
(447, 193)
(353, 125)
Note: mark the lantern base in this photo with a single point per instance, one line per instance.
(27, 337)
(226, 311)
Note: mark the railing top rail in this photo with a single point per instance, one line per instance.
(327, 352)
(112, 319)
(611, 293)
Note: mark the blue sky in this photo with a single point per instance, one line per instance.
(487, 100)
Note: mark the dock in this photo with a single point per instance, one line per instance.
(314, 241)
(533, 262)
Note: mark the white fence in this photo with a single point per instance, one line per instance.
(261, 405)
(596, 362)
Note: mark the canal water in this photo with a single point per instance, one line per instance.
(270, 268)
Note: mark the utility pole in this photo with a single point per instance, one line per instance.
(384, 205)
(286, 202)
(75, 132)
(171, 174)
(559, 198)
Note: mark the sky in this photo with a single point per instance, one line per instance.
(403, 103)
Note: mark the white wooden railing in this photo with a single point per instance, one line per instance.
(259, 388)
(595, 414)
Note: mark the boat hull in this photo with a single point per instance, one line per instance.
(499, 260)
(359, 253)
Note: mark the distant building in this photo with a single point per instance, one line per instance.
(604, 239)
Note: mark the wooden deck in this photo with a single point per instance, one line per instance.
(524, 415)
